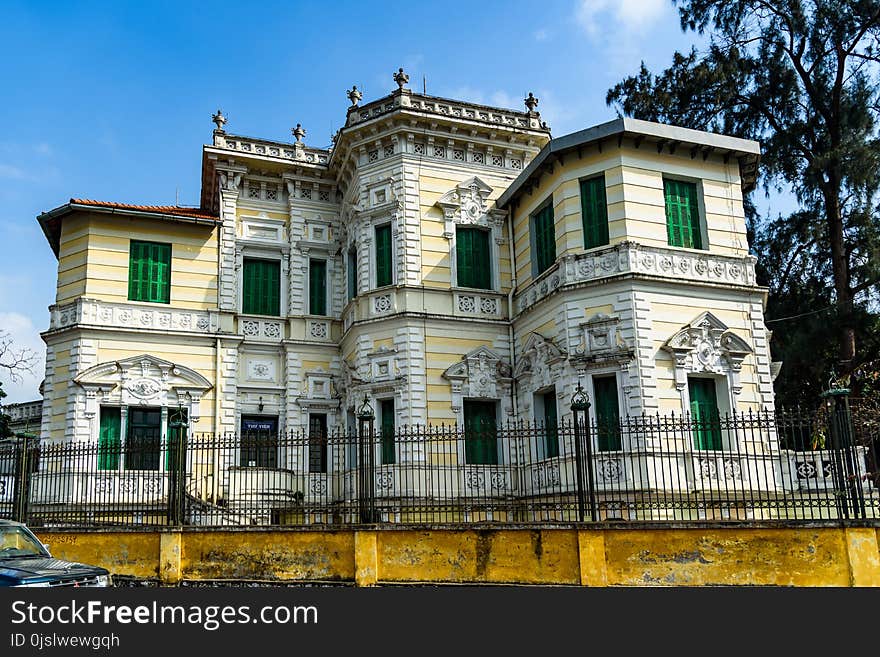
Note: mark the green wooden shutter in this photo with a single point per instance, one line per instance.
(247, 286)
(594, 210)
(163, 273)
(352, 274)
(134, 271)
(149, 272)
(317, 287)
(481, 265)
(273, 291)
(139, 271)
(383, 255)
(261, 287)
(551, 426)
(473, 260)
(481, 445)
(607, 413)
(682, 214)
(545, 239)
(153, 282)
(386, 408)
(108, 438)
(464, 256)
(704, 413)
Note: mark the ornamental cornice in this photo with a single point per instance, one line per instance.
(385, 209)
(262, 148)
(103, 314)
(638, 259)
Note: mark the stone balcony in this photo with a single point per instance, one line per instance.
(631, 258)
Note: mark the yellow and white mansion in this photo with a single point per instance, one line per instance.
(447, 261)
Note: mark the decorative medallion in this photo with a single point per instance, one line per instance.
(144, 388)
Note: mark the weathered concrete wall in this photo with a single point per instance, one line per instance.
(540, 556)
(268, 555)
(597, 556)
(135, 554)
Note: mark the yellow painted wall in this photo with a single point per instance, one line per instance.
(195, 353)
(73, 246)
(533, 557)
(58, 401)
(94, 257)
(445, 345)
(436, 266)
(270, 555)
(634, 194)
(673, 309)
(134, 554)
(588, 556)
(686, 557)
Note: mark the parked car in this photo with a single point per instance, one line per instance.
(25, 561)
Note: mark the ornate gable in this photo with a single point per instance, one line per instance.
(707, 345)
(468, 203)
(143, 381)
(481, 374)
(539, 356)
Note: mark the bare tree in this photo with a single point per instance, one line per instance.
(15, 361)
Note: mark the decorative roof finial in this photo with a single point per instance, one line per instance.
(354, 95)
(219, 120)
(401, 78)
(299, 132)
(531, 102)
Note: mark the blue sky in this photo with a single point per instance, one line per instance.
(113, 100)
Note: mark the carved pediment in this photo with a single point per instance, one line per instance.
(144, 376)
(539, 354)
(143, 381)
(468, 203)
(707, 344)
(481, 373)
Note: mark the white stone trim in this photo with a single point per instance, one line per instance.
(680, 265)
(141, 381)
(481, 374)
(708, 346)
(132, 315)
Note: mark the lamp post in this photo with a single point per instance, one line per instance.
(846, 471)
(580, 405)
(366, 460)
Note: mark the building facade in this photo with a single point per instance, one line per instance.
(444, 261)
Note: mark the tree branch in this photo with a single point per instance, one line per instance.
(16, 362)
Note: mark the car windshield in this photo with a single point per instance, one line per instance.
(18, 542)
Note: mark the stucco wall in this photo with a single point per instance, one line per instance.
(596, 556)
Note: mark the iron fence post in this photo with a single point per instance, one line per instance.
(22, 486)
(177, 484)
(580, 405)
(847, 480)
(366, 463)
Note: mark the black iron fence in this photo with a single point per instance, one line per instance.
(754, 466)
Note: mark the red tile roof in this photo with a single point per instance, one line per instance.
(175, 210)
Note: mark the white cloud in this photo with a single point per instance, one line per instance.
(506, 100)
(619, 28)
(595, 16)
(11, 172)
(24, 335)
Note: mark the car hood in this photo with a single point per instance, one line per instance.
(44, 568)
